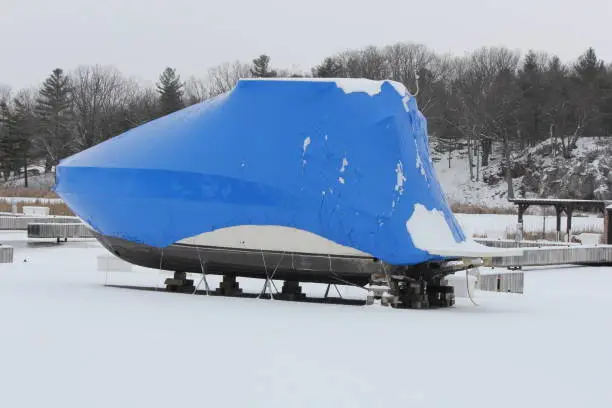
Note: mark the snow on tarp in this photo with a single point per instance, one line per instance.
(346, 159)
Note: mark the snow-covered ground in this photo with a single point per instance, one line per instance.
(39, 181)
(68, 341)
(459, 189)
(497, 225)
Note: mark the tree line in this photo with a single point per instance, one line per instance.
(493, 96)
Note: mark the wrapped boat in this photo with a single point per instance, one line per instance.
(320, 180)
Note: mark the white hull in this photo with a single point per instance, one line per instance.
(292, 240)
(271, 238)
(294, 255)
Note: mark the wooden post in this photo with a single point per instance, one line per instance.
(607, 227)
(569, 210)
(558, 211)
(521, 211)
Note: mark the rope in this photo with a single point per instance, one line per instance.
(467, 283)
(276, 267)
(339, 279)
(269, 281)
(263, 290)
(331, 270)
(161, 260)
(203, 276)
(417, 77)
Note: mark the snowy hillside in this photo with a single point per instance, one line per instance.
(460, 189)
(538, 171)
(40, 181)
(586, 174)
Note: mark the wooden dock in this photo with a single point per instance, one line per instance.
(510, 243)
(20, 223)
(571, 255)
(59, 230)
(510, 282)
(6, 254)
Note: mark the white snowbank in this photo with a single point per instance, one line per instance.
(348, 85)
(428, 228)
(430, 232)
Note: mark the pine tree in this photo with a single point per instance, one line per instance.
(589, 67)
(261, 67)
(330, 68)
(532, 98)
(7, 136)
(170, 91)
(587, 91)
(15, 139)
(606, 104)
(55, 117)
(24, 129)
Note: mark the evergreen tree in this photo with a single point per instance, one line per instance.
(8, 135)
(15, 139)
(589, 67)
(606, 105)
(530, 80)
(55, 118)
(170, 91)
(330, 68)
(587, 93)
(24, 129)
(261, 67)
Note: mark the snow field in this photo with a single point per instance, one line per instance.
(68, 341)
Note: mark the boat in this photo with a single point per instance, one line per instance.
(299, 179)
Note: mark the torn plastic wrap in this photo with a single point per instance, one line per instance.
(344, 159)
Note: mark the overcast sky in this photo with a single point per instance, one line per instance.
(141, 37)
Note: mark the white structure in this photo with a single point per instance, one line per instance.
(36, 211)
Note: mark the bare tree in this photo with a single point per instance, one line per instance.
(373, 64)
(5, 93)
(140, 105)
(99, 95)
(350, 61)
(406, 59)
(223, 78)
(473, 88)
(501, 117)
(196, 90)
